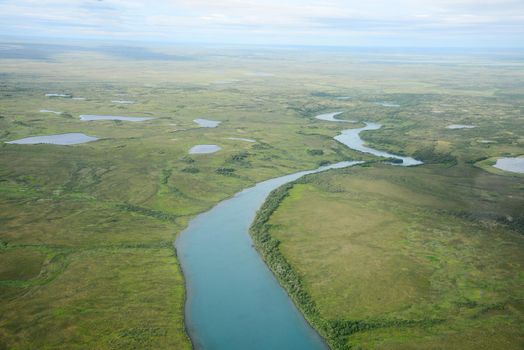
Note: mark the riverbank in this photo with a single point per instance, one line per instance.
(288, 278)
(228, 283)
(380, 275)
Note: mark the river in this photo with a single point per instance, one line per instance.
(233, 299)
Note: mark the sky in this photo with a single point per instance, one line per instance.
(402, 23)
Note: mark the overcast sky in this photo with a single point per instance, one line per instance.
(403, 23)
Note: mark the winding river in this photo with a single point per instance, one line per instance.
(351, 138)
(233, 299)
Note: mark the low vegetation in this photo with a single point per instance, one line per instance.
(400, 258)
(86, 231)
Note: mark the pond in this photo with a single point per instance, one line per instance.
(58, 95)
(460, 126)
(387, 104)
(58, 139)
(49, 111)
(123, 102)
(204, 149)
(86, 117)
(240, 139)
(513, 164)
(207, 123)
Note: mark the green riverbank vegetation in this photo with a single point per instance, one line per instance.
(388, 257)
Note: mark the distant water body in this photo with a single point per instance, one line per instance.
(59, 139)
(204, 149)
(86, 117)
(123, 102)
(387, 104)
(330, 117)
(351, 138)
(460, 126)
(58, 95)
(49, 111)
(240, 139)
(207, 123)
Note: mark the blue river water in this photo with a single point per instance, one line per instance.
(233, 299)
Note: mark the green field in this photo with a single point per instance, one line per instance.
(86, 231)
(415, 257)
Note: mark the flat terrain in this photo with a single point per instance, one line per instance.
(86, 231)
(415, 254)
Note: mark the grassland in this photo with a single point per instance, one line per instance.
(86, 231)
(399, 258)
(396, 258)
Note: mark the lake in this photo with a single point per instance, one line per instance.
(58, 139)
(513, 164)
(86, 117)
(58, 95)
(204, 149)
(123, 102)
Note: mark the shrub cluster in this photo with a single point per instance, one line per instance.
(157, 214)
(225, 171)
(430, 156)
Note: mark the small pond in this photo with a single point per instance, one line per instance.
(207, 123)
(387, 104)
(123, 102)
(330, 117)
(58, 95)
(460, 126)
(85, 117)
(204, 149)
(240, 139)
(513, 164)
(49, 111)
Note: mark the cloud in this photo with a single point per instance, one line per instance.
(402, 22)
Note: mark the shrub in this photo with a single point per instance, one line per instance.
(225, 171)
(315, 152)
